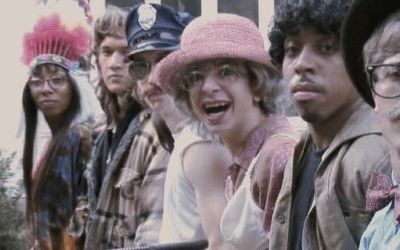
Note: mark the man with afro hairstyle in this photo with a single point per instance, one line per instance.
(322, 201)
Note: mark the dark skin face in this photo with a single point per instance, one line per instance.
(319, 86)
(51, 91)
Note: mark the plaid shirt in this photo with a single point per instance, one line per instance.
(129, 207)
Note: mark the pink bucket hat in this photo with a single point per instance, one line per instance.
(224, 36)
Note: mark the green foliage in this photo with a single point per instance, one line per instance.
(12, 222)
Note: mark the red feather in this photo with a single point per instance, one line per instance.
(49, 36)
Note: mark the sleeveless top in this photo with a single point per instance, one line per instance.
(241, 223)
(181, 220)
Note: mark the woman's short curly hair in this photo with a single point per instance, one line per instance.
(264, 82)
(291, 16)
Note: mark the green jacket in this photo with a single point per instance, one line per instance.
(336, 218)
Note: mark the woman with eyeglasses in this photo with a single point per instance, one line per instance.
(223, 76)
(55, 185)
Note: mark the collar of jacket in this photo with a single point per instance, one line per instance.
(123, 145)
(143, 115)
(362, 122)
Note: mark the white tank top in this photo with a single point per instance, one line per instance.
(241, 221)
(180, 219)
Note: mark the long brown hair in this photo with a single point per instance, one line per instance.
(111, 24)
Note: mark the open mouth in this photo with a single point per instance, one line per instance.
(216, 108)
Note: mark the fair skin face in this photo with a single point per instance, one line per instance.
(225, 104)
(318, 82)
(51, 92)
(153, 95)
(222, 100)
(114, 68)
(388, 111)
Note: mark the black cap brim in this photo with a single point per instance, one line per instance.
(153, 46)
(362, 19)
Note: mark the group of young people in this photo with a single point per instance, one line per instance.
(195, 145)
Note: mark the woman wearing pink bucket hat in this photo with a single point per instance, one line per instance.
(222, 76)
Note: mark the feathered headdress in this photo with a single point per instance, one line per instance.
(52, 42)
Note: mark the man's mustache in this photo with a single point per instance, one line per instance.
(305, 83)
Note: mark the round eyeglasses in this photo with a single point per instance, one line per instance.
(384, 79)
(55, 83)
(224, 72)
(139, 69)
